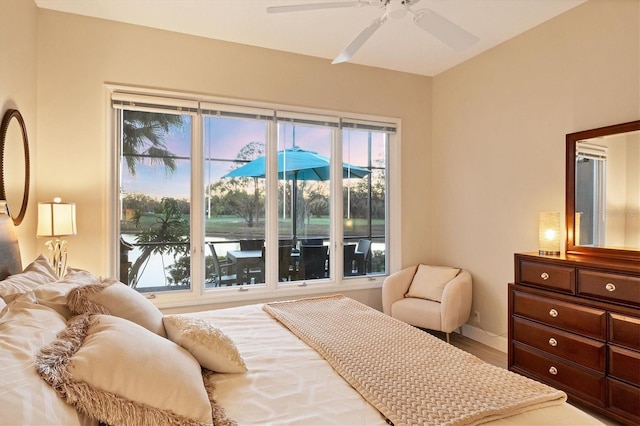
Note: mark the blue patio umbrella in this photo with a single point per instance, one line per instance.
(297, 164)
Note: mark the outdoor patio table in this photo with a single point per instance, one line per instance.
(245, 260)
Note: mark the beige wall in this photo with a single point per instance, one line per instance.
(18, 59)
(500, 121)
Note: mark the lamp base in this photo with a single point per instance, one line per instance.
(57, 256)
(548, 253)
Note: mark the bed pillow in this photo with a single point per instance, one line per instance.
(25, 399)
(55, 295)
(79, 276)
(42, 266)
(36, 273)
(429, 282)
(208, 344)
(115, 298)
(120, 373)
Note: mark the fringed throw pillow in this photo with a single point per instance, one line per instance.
(121, 374)
(115, 298)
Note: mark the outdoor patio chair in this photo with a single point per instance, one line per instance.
(284, 263)
(349, 259)
(312, 242)
(313, 262)
(251, 244)
(222, 271)
(362, 256)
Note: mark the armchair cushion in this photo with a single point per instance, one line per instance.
(429, 282)
(418, 312)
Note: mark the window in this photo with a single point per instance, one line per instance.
(365, 200)
(591, 161)
(216, 197)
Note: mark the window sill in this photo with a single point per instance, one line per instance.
(222, 298)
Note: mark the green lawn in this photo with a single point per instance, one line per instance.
(234, 227)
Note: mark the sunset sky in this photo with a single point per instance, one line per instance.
(224, 137)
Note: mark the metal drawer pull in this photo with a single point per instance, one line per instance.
(553, 313)
(544, 276)
(553, 342)
(553, 371)
(610, 287)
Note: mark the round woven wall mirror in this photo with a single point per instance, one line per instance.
(14, 165)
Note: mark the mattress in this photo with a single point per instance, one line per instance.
(289, 383)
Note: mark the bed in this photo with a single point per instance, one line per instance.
(82, 349)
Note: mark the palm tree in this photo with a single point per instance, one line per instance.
(167, 234)
(143, 138)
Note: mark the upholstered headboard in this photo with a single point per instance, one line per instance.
(10, 262)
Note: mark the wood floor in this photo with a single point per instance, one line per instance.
(484, 352)
(497, 358)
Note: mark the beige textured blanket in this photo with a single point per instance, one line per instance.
(411, 377)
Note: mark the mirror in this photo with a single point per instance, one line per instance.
(603, 191)
(14, 156)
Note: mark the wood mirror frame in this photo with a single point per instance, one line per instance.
(10, 115)
(571, 247)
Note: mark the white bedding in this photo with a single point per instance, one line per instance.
(24, 397)
(288, 383)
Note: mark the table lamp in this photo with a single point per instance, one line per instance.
(57, 219)
(549, 234)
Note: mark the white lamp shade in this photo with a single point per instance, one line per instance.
(549, 233)
(56, 219)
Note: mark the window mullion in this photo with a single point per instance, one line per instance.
(336, 229)
(197, 230)
(271, 205)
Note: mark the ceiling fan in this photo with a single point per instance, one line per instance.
(437, 25)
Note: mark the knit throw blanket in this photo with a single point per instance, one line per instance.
(411, 377)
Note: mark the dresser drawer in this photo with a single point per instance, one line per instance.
(587, 352)
(567, 316)
(580, 381)
(556, 277)
(615, 287)
(624, 365)
(624, 399)
(624, 331)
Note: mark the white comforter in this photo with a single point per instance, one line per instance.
(288, 383)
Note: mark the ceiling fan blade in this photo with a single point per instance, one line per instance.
(357, 42)
(444, 30)
(314, 6)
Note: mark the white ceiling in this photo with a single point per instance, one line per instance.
(398, 45)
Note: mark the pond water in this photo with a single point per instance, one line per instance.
(154, 273)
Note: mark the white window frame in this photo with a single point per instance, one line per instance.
(597, 153)
(197, 295)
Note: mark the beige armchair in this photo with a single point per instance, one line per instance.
(448, 314)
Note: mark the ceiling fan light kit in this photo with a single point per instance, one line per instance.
(429, 21)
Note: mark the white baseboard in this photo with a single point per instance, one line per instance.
(497, 342)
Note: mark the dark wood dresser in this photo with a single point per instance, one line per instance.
(574, 323)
